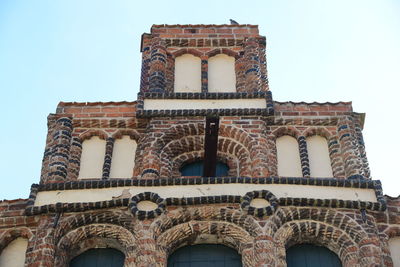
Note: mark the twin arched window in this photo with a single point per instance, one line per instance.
(289, 158)
(93, 155)
(221, 74)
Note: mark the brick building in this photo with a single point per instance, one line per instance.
(204, 167)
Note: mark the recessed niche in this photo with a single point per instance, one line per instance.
(146, 205)
(259, 203)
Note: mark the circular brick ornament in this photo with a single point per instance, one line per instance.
(143, 214)
(271, 203)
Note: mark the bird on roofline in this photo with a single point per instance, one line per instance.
(233, 22)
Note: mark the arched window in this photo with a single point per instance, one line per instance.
(99, 257)
(14, 254)
(92, 158)
(221, 74)
(318, 156)
(205, 255)
(123, 158)
(187, 74)
(288, 157)
(394, 246)
(196, 169)
(308, 255)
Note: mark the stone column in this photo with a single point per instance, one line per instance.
(58, 164)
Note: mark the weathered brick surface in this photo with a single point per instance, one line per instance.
(358, 232)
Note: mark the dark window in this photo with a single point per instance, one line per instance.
(205, 255)
(99, 257)
(307, 255)
(196, 169)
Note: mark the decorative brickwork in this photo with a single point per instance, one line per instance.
(356, 223)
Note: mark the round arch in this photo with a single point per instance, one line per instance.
(91, 236)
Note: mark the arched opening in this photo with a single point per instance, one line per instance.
(205, 255)
(187, 74)
(92, 158)
(196, 169)
(123, 157)
(318, 156)
(394, 247)
(308, 255)
(288, 156)
(99, 257)
(14, 254)
(221, 74)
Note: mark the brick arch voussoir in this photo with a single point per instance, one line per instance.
(181, 215)
(177, 132)
(317, 233)
(133, 134)
(10, 235)
(286, 130)
(72, 222)
(190, 51)
(72, 243)
(91, 132)
(225, 51)
(320, 131)
(328, 216)
(177, 147)
(238, 135)
(392, 231)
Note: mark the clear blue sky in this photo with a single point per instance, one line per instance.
(74, 50)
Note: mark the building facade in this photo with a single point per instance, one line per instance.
(206, 163)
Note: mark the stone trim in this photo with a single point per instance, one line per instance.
(380, 205)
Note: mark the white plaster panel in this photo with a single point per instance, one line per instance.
(147, 205)
(123, 158)
(394, 246)
(14, 254)
(279, 190)
(318, 156)
(174, 104)
(221, 74)
(187, 74)
(92, 158)
(288, 156)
